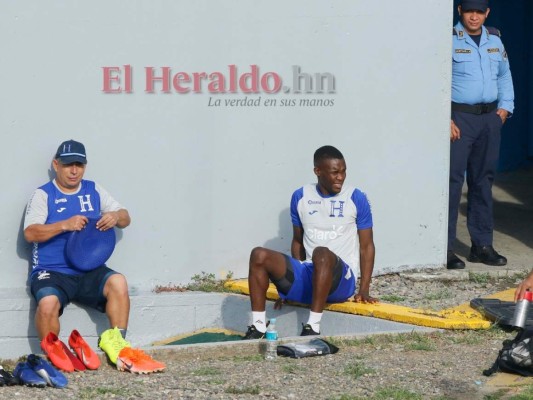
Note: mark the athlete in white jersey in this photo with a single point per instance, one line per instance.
(332, 240)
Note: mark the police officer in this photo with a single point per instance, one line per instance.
(482, 100)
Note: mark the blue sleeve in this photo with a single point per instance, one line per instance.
(364, 212)
(505, 84)
(296, 197)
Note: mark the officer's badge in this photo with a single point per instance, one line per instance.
(504, 55)
(495, 50)
(461, 34)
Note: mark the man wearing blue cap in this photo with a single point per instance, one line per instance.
(482, 100)
(54, 211)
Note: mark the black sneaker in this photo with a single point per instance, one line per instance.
(253, 333)
(307, 330)
(7, 378)
(486, 255)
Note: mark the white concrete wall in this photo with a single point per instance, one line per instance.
(206, 184)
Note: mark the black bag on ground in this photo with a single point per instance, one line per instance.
(516, 356)
(308, 348)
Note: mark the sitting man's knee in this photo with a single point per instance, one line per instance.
(117, 285)
(321, 253)
(258, 256)
(48, 307)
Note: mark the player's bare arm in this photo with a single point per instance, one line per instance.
(367, 253)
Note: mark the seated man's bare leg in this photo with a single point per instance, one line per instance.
(118, 301)
(264, 263)
(47, 316)
(324, 261)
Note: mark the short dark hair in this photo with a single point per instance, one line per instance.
(327, 153)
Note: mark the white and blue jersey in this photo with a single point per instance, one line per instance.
(332, 221)
(481, 74)
(48, 205)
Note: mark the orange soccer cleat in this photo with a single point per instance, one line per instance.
(84, 352)
(138, 362)
(53, 348)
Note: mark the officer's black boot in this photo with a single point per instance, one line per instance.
(454, 262)
(486, 255)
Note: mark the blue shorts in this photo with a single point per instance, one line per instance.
(86, 289)
(301, 290)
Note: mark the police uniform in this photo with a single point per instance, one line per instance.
(481, 84)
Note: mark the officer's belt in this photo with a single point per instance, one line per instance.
(475, 108)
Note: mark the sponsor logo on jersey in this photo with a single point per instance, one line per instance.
(314, 202)
(322, 234)
(61, 209)
(57, 201)
(313, 212)
(43, 275)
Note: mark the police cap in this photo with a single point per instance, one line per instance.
(468, 5)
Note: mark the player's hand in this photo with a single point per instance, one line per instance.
(108, 221)
(75, 223)
(455, 132)
(364, 298)
(524, 285)
(279, 303)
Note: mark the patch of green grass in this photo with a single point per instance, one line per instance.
(479, 277)
(216, 381)
(206, 371)
(396, 394)
(243, 390)
(500, 394)
(420, 342)
(344, 342)
(358, 369)
(392, 298)
(291, 368)
(205, 282)
(95, 392)
(387, 393)
(525, 394)
(202, 282)
(251, 357)
(439, 295)
(468, 337)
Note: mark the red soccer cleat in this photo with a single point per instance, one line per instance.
(84, 352)
(53, 348)
(76, 362)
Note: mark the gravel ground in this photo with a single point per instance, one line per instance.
(437, 365)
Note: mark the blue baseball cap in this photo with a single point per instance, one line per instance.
(90, 248)
(469, 5)
(70, 152)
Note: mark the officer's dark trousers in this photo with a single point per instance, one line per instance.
(476, 153)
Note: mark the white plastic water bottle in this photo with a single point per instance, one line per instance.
(271, 336)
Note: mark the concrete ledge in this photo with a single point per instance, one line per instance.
(155, 317)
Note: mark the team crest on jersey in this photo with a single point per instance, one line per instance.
(336, 210)
(86, 202)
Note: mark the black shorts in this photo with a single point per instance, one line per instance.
(86, 289)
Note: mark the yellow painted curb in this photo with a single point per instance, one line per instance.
(460, 317)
